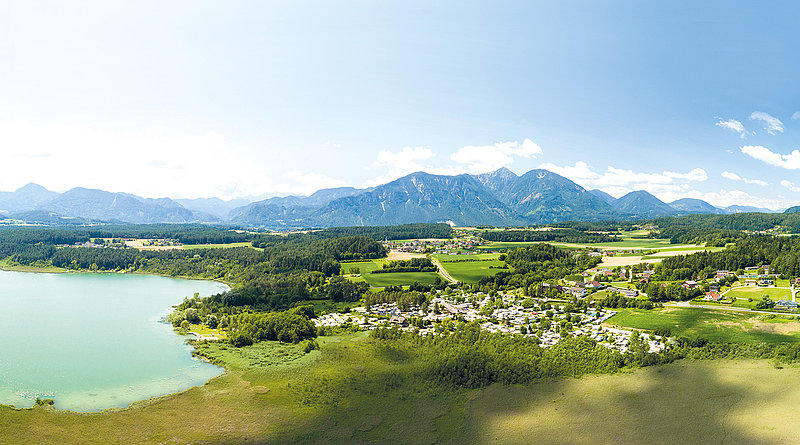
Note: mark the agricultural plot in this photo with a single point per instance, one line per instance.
(364, 267)
(714, 325)
(471, 268)
(399, 278)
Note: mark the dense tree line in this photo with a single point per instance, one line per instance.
(538, 263)
(412, 265)
(566, 235)
(472, 358)
(782, 253)
(380, 233)
(291, 326)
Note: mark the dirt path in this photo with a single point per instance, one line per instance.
(443, 272)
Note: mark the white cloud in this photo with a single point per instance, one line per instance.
(406, 159)
(772, 124)
(481, 159)
(734, 125)
(152, 162)
(796, 115)
(617, 181)
(734, 177)
(308, 183)
(764, 154)
(790, 185)
(725, 198)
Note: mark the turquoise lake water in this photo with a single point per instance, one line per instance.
(94, 341)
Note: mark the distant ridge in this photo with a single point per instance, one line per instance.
(498, 198)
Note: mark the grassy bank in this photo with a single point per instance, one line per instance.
(356, 390)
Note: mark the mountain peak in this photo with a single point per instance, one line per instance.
(32, 187)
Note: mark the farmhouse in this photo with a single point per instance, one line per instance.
(712, 296)
(785, 304)
(630, 293)
(750, 282)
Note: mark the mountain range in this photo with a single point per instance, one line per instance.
(498, 198)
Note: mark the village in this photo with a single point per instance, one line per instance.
(548, 321)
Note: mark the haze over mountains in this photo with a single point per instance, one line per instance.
(499, 198)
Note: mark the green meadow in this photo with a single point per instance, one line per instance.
(356, 390)
(399, 278)
(471, 268)
(713, 325)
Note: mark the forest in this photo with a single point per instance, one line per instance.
(566, 235)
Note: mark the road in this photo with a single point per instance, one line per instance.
(443, 272)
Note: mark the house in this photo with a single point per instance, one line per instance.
(398, 320)
(751, 268)
(725, 273)
(785, 304)
(593, 285)
(713, 288)
(576, 291)
(689, 284)
(750, 282)
(629, 293)
(712, 296)
(765, 282)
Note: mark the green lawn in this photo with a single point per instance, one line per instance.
(470, 268)
(399, 278)
(714, 325)
(364, 267)
(757, 292)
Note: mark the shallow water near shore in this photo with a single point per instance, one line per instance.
(94, 341)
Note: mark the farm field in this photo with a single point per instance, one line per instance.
(399, 278)
(470, 268)
(364, 267)
(714, 325)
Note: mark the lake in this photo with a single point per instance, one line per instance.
(94, 341)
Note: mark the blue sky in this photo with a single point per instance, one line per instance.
(187, 99)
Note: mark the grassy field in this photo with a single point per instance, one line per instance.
(470, 268)
(357, 391)
(714, 325)
(757, 292)
(364, 267)
(399, 278)
(685, 402)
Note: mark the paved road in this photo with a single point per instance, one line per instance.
(442, 271)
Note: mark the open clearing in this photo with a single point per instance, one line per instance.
(353, 391)
(396, 255)
(714, 325)
(614, 261)
(757, 292)
(471, 268)
(399, 278)
(685, 402)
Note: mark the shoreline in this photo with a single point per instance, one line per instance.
(58, 270)
(138, 403)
